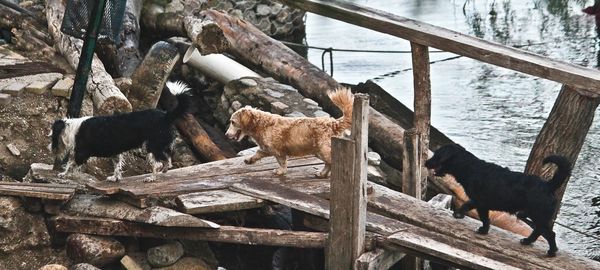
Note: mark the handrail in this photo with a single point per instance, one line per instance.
(587, 79)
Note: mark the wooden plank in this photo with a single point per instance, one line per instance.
(216, 201)
(105, 207)
(310, 204)
(226, 234)
(500, 242)
(378, 259)
(37, 190)
(455, 42)
(447, 252)
(229, 167)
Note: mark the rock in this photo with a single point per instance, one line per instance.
(40, 87)
(248, 82)
(96, 250)
(201, 250)
(84, 266)
(63, 87)
(14, 89)
(188, 263)
(4, 99)
(135, 261)
(53, 267)
(13, 149)
(263, 10)
(165, 255)
(310, 101)
(320, 113)
(373, 158)
(295, 114)
(278, 107)
(15, 236)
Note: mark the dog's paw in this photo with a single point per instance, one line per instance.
(249, 161)
(113, 178)
(458, 215)
(483, 230)
(279, 171)
(322, 174)
(526, 242)
(62, 174)
(150, 179)
(551, 253)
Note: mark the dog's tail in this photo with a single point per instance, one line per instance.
(343, 99)
(184, 104)
(561, 174)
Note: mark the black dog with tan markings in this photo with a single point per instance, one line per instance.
(492, 187)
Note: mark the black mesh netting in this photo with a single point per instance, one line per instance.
(77, 17)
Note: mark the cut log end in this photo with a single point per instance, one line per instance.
(113, 105)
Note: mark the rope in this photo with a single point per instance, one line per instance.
(577, 231)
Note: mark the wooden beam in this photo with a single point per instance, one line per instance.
(422, 104)
(38, 190)
(455, 42)
(216, 201)
(226, 234)
(108, 208)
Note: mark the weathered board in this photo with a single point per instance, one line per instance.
(38, 190)
(109, 208)
(216, 201)
(378, 259)
(226, 234)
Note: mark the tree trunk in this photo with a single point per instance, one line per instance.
(563, 133)
(107, 98)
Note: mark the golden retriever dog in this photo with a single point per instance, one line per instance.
(281, 137)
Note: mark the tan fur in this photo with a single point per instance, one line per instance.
(283, 136)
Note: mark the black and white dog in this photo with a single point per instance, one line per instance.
(492, 187)
(107, 136)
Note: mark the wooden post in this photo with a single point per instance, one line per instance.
(422, 103)
(411, 181)
(563, 133)
(348, 176)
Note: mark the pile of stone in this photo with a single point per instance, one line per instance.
(273, 18)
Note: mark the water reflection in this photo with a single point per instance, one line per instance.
(496, 113)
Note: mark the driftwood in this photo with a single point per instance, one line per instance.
(227, 234)
(106, 96)
(38, 190)
(109, 208)
(191, 129)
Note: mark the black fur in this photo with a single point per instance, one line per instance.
(57, 129)
(492, 187)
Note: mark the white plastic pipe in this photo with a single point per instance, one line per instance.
(217, 66)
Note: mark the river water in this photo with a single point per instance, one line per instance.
(494, 112)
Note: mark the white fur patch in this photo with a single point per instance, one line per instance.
(71, 128)
(177, 87)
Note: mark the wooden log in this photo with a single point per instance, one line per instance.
(411, 175)
(563, 133)
(216, 201)
(189, 127)
(105, 207)
(225, 234)
(128, 54)
(107, 98)
(205, 34)
(378, 259)
(148, 80)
